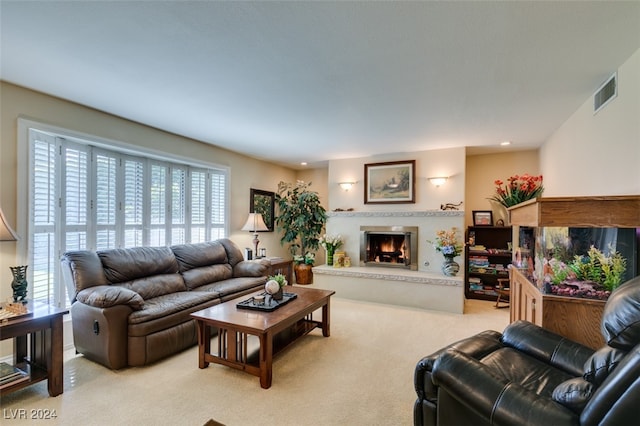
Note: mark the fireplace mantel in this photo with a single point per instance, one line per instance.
(406, 213)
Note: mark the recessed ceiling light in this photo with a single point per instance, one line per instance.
(505, 143)
(304, 163)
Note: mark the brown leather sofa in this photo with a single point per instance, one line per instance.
(530, 376)
(131, 307)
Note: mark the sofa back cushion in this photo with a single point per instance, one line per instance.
(156, 285)
(149, 271)
(80, 270)
(197, 277)
(234, 254)
(621, 316)
(190, 256)
(202, 263)
(123, 265)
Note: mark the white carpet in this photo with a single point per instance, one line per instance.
(361, 375)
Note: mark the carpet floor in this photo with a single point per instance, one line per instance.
(361, 375)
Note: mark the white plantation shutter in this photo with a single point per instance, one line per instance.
(74, 191)
(105, 200)
(158, 202)
(44, 200)
(217, 217)
(178, 205)
(198, 206)
(87, 198)
(133, 207)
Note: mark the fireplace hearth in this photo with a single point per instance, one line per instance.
(389, 246)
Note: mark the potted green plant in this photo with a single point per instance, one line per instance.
(302, 218)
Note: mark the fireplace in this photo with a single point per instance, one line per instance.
(389, 246)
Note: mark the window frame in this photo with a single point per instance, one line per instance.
(25, 224)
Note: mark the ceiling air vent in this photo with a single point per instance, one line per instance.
(606, 93)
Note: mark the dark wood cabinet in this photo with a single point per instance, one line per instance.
(487, 256)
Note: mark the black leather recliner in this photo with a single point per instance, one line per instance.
(530, 376)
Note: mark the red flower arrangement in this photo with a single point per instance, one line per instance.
(518, 189)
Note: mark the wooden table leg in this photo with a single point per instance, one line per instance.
(326, 329)
(55, 357)
(204, 343)
(266, 360)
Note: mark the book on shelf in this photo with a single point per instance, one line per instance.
(10, 375)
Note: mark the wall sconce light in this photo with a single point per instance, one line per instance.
(437, 181)
(346, 185)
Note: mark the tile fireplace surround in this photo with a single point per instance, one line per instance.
(426, 288)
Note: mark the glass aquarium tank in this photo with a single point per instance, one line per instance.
(585, 258)
(582, 262)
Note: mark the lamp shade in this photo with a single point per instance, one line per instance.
(255, 223)
(6, 233)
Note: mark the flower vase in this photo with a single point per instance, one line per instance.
(450, 267)
(304, 273)
(330, 256)
(19, 283)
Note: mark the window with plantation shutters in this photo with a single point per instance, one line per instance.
(84, 197)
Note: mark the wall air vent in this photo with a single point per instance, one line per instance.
(605, 93)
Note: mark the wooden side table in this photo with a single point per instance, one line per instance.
(281, 266)
(37, 346)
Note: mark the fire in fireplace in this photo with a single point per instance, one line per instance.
(392, 246)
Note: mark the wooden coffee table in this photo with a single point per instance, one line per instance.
(275, 331)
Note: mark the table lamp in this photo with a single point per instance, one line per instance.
(6, 233)
(254, 224)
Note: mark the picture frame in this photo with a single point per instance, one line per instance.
(263, 202)
(392, 182)
(482, 218)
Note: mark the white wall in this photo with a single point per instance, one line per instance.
(445, 162)
(598, 154)
(482, 172)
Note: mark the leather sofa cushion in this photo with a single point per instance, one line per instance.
(156, 285)
(105, 296)
(234, 254)
(621, 316)
(250, 269)
(530, 373)
(194, 278)
(601, 363)
(232, 285)
(86, 269)
(573, 393)
(123, 265)
(190, 256)
(169, 304)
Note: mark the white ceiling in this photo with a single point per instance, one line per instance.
(315, 81)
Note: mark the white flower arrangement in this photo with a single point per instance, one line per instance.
(331, 242)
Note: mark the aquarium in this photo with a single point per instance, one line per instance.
(586, 262)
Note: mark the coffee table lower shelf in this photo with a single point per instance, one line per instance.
(239, 356)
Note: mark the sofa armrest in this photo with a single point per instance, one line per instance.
(547, 346)
(106, 296)
(493, 399)
(476, 347)
(246, 268)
